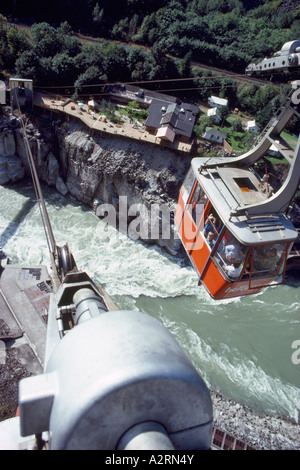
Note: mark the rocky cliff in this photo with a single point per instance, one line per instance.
(13, 157)
(96, 169)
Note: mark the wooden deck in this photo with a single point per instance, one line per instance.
(99, 123)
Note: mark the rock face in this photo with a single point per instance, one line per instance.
(11, 168)
(103, 167)
(98, 170)
(127, 175)
(263, 432)
(13, 157)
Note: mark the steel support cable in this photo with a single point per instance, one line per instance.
(39, 195)
(221, 77)
(40, 200)
(163, 91)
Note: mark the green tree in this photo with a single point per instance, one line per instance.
(92, 76)
(185, 65)
(134, 110)
(39, 31)
(64, 29)
(139, 63)
(147, 31)
(246, 98)
(18, 42)
(70, 45)
(163, 65)
(63, 68)
(45, 38)
(28, 65)
(5, 57)
(224, 112)
(89, 55)
(115, 63)
(126, 28)
(237, 125)
(120, 30)
(203, 122)
(97, 16)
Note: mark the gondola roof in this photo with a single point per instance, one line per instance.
(231, 190)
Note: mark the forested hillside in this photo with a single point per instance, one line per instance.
(229, 33)
(166, 37)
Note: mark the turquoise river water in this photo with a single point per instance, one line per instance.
(241, 347)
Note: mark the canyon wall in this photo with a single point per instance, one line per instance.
(95, 169)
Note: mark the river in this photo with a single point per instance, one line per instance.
(241, 347)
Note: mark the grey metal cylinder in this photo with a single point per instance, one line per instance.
(109, 375)
(88, 305)
(146, 436)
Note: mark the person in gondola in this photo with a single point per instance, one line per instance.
(234, 269)
(233, 252)
(258, 259)
(271, 259)
(211, 225)
(211, 239)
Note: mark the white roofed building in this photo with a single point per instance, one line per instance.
(216, 102)
(252, 126)
(215, 113)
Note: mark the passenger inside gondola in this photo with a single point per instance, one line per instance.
(231, 255)
(211, 239)
(234, 269)
(212, 225)
(271, 259)
(233, 252)
(258, 259)
(267, 259)
(197, 204)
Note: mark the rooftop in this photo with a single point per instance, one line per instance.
(229, 188)
(180, 116)
(215, 100)
(138, 94)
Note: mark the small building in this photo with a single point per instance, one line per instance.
(252, 127)
(166, 133)
(92, 104)
(21, 92)
(216, 102)
(215, 135)
(167, 120)
(215, 113)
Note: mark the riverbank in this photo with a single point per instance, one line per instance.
(262, 431)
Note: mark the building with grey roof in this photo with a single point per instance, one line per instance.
(168, 117)
(176, 118)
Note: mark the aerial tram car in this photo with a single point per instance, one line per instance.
(233, 226)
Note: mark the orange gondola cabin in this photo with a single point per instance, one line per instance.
(233, 226)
